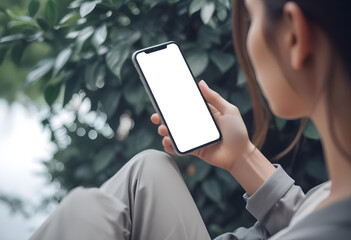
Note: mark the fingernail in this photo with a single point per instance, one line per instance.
(204, 82)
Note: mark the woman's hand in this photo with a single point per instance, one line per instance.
(235, 142)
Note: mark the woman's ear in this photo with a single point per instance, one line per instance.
(299, 38)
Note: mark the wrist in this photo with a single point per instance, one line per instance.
(247, 151)
(252, 169)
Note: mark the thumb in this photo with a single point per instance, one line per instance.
(213, 97)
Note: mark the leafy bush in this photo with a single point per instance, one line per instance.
(90, 60)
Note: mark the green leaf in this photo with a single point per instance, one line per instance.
(17, 53)
(103, 158)
(72, 86)
(12, 38)
(152, 3)
(280, 123)
(99, 36)
(35, 37)
(82, 37)
(207, 11)
(116, 57)
(212, 190)
(52, 92)
(69, 19)
(222, 13)
(226, 3)
(51, 12)
(110, 100)
(153, 39)
(14, 16)
(75, 4)
(198, 61)
(43, 24)
(125, 36)
(136, 96)
(223, 61)
(42, 68)
(311, 131)
(3, 19)
(3, 52)
(196, 5)
(61, 60)
(94, 73)
(28, 24)
(208, 36)
(33, 7)
(87, 7)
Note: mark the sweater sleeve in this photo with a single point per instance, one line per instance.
(273, 205)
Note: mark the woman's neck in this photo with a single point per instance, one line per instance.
(338, 165)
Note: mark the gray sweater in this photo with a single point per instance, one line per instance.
(283, 211)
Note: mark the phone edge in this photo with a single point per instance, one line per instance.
(155, 105)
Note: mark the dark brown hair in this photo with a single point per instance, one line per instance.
(333, 16)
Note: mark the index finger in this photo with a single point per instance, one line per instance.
(155, 118)
(213, 98)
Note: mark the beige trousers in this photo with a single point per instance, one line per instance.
(146, 199)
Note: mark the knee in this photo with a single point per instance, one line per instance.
(79, 198)
(151, 153)
(149, 166)
(154, 164)
(154, 160)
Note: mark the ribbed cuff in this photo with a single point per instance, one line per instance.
(269, 193)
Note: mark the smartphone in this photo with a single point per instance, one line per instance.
(176, 97)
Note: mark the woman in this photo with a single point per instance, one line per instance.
(300, 53)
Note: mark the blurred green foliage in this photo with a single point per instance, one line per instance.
(85, 52)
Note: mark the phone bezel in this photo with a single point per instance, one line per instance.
(154, 102)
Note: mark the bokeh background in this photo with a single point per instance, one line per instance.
(73, 110)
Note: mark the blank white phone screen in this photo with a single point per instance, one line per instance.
(178, 97)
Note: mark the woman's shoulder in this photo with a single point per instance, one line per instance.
(330, 222)
(323, 187)
(312, 199)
